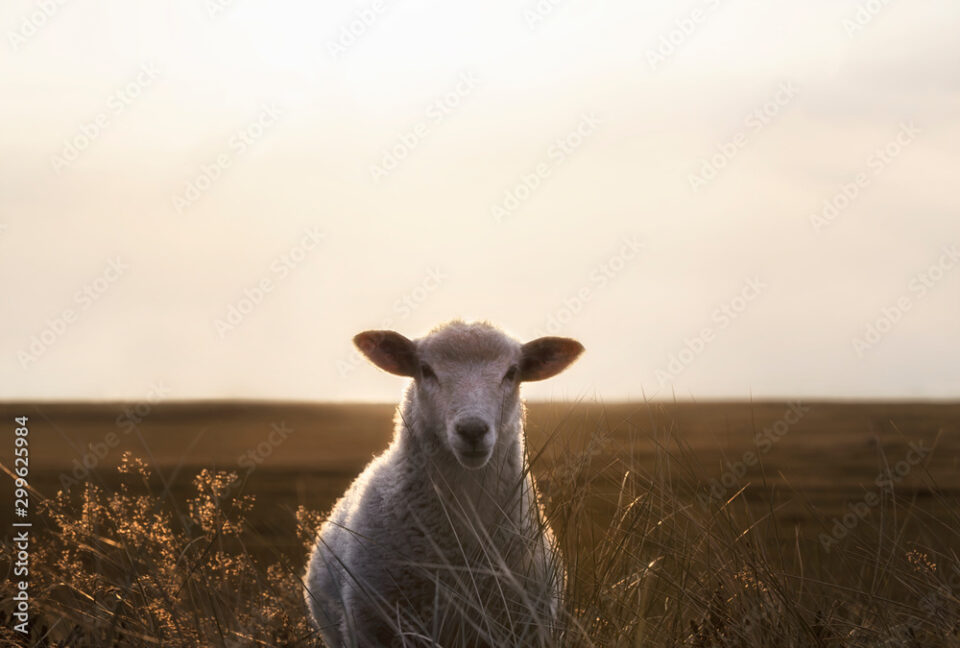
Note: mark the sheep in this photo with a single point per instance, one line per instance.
(441, 540)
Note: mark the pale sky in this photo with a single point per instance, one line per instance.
(718, 198)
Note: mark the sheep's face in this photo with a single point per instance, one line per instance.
(467, 380)
(469, 402)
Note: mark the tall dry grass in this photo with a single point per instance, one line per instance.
(649, 564)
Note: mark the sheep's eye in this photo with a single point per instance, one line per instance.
(426, 372)
(511, 374)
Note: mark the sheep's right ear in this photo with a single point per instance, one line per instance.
(388, 350)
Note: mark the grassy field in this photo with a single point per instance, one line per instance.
(678, 520)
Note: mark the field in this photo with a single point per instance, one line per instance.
(820, 523)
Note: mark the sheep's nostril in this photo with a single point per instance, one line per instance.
(472, 430)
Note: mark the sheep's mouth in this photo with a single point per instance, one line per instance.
(473, 458)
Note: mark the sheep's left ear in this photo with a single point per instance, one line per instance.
(388, 350)
(547, 356)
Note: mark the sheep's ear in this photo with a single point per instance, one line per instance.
(547, 356)
(388, 350)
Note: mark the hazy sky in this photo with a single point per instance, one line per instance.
(718, 198)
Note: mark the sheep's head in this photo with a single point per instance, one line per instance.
(467, 379)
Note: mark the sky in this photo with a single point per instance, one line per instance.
(719, 199)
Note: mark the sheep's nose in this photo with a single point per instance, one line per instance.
(472, 429)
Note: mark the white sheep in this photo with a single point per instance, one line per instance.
(441, 540)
